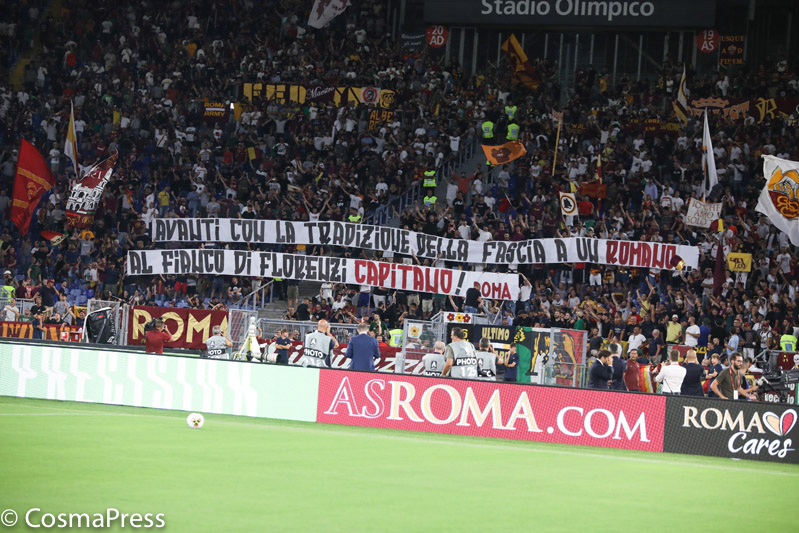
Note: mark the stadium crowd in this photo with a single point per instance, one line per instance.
(138, 78)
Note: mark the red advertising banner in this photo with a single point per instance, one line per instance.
(190, 327)
(484, 409)
(52, 332)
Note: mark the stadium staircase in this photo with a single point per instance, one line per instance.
(16, 74)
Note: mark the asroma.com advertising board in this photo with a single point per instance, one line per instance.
(491, 409)
(737, 429)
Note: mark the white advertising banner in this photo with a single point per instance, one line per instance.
(400, 241)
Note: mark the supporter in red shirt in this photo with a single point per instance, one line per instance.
(155, 338)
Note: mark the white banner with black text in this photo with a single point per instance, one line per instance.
(400, 241)
(315, 268)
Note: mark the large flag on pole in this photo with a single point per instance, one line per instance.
(779, 199)
(708, 161)
(520, 65)
(71, 144)
(681, 104)
(86, 194)
(32, 181)
(324, 11)
(504, 153)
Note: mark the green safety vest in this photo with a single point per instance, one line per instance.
(7, 291)
(513, 132)
(430, 200)
(429, 179)
(788, 343)
(488, 129)
(354, 218)
(395, 337)
(510, 111)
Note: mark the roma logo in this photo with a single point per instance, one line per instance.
(783, 189)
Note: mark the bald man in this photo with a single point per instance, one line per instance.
(319, 346)
(434, 362)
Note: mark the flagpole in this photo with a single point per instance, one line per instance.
(557, 143)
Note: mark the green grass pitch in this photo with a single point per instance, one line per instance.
(242, 474)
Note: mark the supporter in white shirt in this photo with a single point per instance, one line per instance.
(671, 375)
(692, 333)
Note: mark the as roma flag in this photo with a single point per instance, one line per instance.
(522, 69)
(504, 153)
(33, 179)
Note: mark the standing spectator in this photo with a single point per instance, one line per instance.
(38, 326)
(636, 340)
(511, 363)
(671, 374)
(362, 349)
(283, 345)
(694, 374)
(656, 346)
(632, 375)
(618, 367)
(732, 343)
(674, 331)
(692, 333)
(11, 311)
(601, 373)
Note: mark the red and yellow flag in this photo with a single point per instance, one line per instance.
(522, 68)
(504, 153)
(33, 179)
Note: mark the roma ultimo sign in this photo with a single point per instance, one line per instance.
(615, 13)
(317, 268)
(406, 242)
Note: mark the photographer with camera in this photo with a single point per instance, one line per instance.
(155, 336)
(217, 345)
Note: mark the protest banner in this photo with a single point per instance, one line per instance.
(702, 214)
(316, 268)
(406, 242)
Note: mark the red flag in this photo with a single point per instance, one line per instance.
(522, 68)
(54, 237)
(33, 179)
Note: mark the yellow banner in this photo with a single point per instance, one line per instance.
(285, 93)
(739, 262)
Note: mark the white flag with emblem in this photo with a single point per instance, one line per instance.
(323, 11)
(779, 199)
(568, 204)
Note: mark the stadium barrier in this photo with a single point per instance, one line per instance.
(700, 426)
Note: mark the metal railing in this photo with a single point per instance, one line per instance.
(298, 330)
(413, 195)
(255, 297)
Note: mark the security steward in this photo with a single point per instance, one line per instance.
(788, 342)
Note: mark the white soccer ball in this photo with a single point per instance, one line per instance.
(195, 420)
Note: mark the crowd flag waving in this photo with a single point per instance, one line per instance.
(522, 68)
(86, 193)
(32, 181)
(708, 162)
(681, 104)
(779, 199)
(71, 144)
(324, 11)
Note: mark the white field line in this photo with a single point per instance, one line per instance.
(265, 423)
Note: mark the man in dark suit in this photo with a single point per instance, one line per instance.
(363, 349)
(601, 372)
(694, 372)
(619, 366)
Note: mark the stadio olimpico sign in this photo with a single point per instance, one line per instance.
(627, 13)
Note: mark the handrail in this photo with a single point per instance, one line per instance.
(413, 194)
(253, 294)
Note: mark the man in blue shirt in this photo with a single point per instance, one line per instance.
(511, 364)
(362, 349)
(732, 343)
(282, 347)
